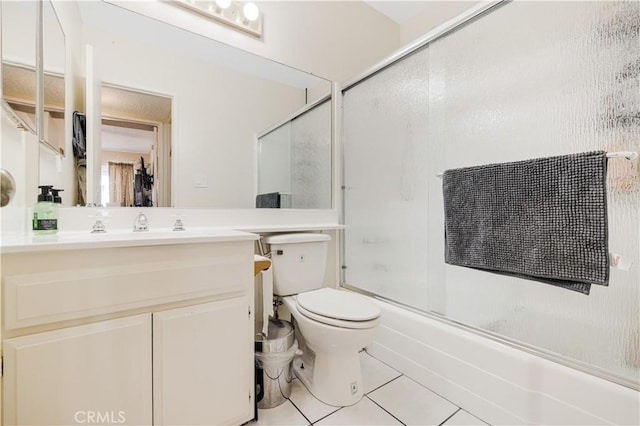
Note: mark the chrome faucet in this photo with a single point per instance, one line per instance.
(141, 223)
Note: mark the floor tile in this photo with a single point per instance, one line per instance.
(462, 418)
(412, 403)
(375, 373)
(283, 414)
(364, 412)
(312, 408)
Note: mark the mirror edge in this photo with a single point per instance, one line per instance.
(40, 86)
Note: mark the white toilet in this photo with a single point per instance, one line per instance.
(332, 325)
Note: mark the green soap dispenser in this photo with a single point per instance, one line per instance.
(45, 212)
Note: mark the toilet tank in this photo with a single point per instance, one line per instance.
(299, 261)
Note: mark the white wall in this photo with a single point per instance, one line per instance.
(332, 39)
(19, 32)
(435, 14)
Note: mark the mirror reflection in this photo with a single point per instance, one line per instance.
(294, 161)
(221, 98)
(19, 28)
(136, 149)
(19, 79)
(53, 60)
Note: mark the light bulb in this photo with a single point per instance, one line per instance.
(250, 11)
(223, 4)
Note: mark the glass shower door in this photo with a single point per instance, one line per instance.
(526, 80)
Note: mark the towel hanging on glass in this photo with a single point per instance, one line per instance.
(542, 219)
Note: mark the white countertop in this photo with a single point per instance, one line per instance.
(202, 226)
(264, 229)
(119, 238)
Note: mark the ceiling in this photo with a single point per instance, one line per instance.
(399, 11)
(128, 134)
(118, 102)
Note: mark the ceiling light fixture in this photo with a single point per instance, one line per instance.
(250, 11)
(245, 17)
(223, 4)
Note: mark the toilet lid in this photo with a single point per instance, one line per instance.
(342, 305)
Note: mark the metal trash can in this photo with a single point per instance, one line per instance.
(273, 363)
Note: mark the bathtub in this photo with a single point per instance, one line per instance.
(496, 382)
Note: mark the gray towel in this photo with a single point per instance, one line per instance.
(543, 219)
(270, 200)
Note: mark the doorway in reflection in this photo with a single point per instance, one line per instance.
(135, 148)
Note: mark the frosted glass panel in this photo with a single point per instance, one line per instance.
(385, 177)
(528, 79)
(295, 160)
(311, 159)
(274, 171)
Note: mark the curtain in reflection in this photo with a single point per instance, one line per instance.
(121, 184)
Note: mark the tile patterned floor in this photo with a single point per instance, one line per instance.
(390, 398)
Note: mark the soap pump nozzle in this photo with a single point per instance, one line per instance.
(56, 197)
(45, 195)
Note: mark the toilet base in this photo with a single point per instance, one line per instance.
(334, 379)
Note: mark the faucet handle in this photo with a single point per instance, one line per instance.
(178, 225)
(101, 218)
(98, 227)
(141, 223)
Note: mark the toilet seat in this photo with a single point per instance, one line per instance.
(354, 325)
(338, 308)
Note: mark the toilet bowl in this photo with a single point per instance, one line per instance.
(331, 325)
(330, 364)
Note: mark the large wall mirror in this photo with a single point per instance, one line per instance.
(220, 97)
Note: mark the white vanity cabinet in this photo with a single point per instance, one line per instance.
(158, 334)
(199, 364)
(72, 375)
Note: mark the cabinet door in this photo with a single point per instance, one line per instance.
(203, 364)
(95, 373)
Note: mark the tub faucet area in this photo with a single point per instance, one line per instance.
(141, 223)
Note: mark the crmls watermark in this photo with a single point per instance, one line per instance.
(100, 417)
